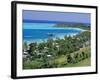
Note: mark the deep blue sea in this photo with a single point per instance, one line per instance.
(37, 32)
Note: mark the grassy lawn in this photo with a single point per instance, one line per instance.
(61, 60)
(85, 62)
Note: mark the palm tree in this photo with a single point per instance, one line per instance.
(25, 46)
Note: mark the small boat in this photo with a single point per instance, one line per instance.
(50, 34)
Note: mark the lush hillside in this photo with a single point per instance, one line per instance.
(70, 51)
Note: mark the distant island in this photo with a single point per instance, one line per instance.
(84, 26)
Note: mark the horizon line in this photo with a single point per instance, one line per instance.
(47, 21)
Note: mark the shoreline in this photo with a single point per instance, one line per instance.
(61, 36)
(73, 28)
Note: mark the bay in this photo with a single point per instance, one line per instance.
(36, 32)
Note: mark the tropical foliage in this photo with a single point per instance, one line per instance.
(54, 53)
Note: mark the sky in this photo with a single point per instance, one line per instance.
(31, 16)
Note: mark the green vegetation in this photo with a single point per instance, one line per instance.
(85, 62)
(54, 53)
